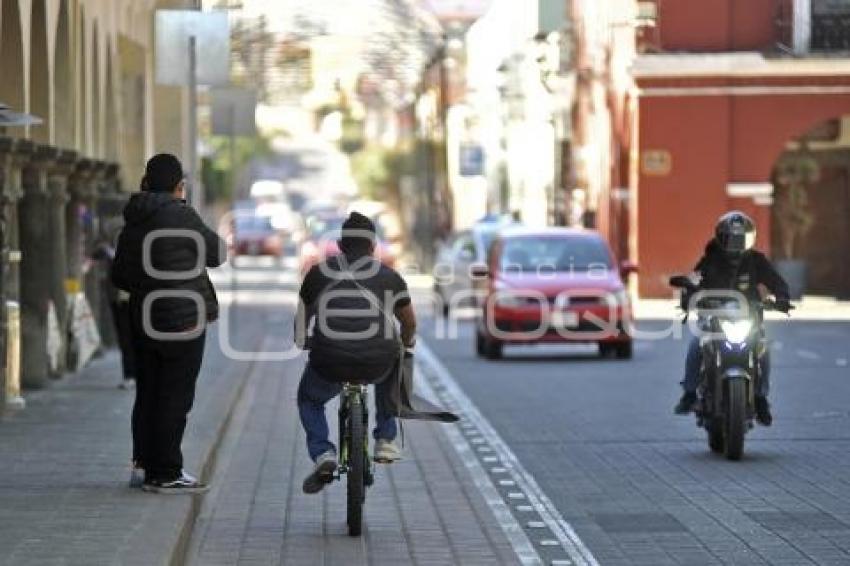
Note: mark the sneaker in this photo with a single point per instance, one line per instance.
(386, 451)
(137, 477)
(686, 403)
(763, 416)
(127, 384)
(184, 484)
(322, 474)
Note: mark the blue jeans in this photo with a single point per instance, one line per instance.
(313, 394)
(693, 362)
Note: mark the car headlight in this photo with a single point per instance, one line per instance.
(618, 298)
(736, 331)
(510, 300)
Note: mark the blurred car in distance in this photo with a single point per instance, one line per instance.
(322, 231)
(453, 283)
(255, 235)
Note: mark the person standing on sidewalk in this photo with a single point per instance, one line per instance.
(161, 260)
(119, 306)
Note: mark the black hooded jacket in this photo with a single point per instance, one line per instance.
(146, 213)
(718, 272)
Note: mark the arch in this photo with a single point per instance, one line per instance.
(110, 134)
(82, 120)
(39, 72)
(96, 117)
(759, 138)
(12, 92)
(64, 105)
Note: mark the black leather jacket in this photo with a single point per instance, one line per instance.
(745, 275)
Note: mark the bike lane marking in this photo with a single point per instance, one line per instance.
(525, 494)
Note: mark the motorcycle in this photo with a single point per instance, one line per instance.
(733, 345)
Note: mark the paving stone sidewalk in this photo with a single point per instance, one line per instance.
(424, 510)
(65, 463)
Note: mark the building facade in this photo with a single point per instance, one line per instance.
(687, 109)
(85, 68)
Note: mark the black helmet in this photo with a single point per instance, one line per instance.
(735, 233)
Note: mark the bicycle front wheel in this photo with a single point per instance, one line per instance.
(356, 465)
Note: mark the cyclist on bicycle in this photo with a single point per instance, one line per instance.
(354, 339)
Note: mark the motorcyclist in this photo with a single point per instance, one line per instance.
(354, 299)
(731, 262)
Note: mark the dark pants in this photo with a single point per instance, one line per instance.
(314, 392)
(693, 363)
(124, 329)
(166, 374)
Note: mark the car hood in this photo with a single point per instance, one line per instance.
(554, 283)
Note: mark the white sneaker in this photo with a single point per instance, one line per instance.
(322, 474)
(184, 484)
(127, 384)
(386, 451)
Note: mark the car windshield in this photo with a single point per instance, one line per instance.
(253, 223)
(560, 254)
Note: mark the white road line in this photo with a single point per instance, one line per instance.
(808, 354)
(841, 362)
(561, 529)
(519, 541)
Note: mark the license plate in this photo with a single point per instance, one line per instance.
(566, 319)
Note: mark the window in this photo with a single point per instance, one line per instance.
(560, 254)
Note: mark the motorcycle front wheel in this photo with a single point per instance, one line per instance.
(736, 418)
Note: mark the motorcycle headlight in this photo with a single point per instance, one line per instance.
(736, 331)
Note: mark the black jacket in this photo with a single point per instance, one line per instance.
(752, 270)
(148, 212)
(352, 339)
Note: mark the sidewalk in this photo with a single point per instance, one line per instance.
(423, 510)
(63, 492)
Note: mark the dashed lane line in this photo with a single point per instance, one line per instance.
(515, 490)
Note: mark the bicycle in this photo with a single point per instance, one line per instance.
(354, 460)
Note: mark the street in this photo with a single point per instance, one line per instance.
(603, 471)
(639, 485)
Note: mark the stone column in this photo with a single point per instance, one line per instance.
(35, 267)
(58, 197)
(10, 193)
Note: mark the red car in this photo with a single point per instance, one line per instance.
(321, 242)
(256, 236)
(552, 285)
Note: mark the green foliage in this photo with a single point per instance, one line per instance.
(217, 171)
(379, 170)
(795, 175)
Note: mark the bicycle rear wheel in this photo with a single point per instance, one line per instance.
(356, 465)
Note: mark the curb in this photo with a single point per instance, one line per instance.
(180, 551)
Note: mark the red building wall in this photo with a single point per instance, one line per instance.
(720, 25)
(712, 140)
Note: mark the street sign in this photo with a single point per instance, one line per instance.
(174, 32)
(471, 160)
(656, 162)
(233, 112)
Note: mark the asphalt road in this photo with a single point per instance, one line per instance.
(638, 484)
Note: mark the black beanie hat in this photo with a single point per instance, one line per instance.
(358, 233)
(162, 173)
